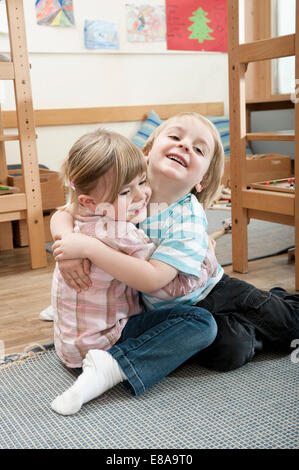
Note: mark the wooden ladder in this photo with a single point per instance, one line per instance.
(252, 203)
(26, 205)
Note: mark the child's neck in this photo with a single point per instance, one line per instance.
(163, 196)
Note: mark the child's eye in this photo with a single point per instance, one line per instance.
(143, 181)
(174, 137)
(125, 192)
(198, 150)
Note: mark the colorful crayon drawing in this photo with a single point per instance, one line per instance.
(196, 25)
(100, 34)
(54, 12)
(146, 23)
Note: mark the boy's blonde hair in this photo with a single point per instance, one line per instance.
(93, 155)
(212, 179)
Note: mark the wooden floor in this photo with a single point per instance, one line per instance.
(25, 292)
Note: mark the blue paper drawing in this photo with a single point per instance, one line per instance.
(100, 34)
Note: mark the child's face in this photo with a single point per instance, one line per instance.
(182, 152)
(131, 203)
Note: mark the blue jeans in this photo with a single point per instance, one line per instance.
(156, 342)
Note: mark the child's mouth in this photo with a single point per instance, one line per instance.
(178, 159)
(137, 209)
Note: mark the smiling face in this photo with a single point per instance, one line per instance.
(130, 205)
(182, 153)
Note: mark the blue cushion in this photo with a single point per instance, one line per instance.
(222, 125)
(148, 126)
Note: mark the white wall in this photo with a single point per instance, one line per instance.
(138, 74)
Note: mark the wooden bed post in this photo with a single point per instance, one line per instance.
(30, 201)
(237, 117)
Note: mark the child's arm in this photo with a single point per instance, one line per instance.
(62, 223)
(145, 276)
(75, 272)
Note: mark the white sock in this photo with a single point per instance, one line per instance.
(100, 372)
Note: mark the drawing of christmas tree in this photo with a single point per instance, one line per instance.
(200, 29)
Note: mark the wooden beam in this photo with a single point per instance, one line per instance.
(12, 202)
(271, 217)
(288, 135)
(237, 116)
(73, 116)
(282, 46)
(269, 201)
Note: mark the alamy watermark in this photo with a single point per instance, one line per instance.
(295, 354)
(185, 222)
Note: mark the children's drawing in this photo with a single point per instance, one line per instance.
(54, 12)
(146, 23)
(3, 18)
(196, 25)
(200, 29)
(100, 34)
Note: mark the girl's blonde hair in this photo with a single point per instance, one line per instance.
(93, 155)
(212, 179)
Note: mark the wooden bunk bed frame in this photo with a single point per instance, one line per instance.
(253, 203)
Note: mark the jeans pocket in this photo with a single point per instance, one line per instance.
(256, 298)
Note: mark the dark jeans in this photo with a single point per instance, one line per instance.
(156, 342)
(248, 320)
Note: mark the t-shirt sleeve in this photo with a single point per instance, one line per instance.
(184, 240)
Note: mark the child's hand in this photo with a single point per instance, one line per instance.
(71, 246)
(212, 244)
(75, 273)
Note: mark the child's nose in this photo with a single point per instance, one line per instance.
(138, 194)
(184, 145)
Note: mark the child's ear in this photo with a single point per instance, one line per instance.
(198, 187)
(146, 156)
(87, 201)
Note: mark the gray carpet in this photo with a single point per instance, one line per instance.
(255, 407)
(264, 238)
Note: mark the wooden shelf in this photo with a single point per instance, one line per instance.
(269, 201)
(29, 202)
(4, 138)
(278, 207)
(288, 135)
(12, 202)
(273, 102)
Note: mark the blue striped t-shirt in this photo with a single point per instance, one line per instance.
(180, 235)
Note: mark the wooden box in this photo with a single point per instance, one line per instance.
(261, 167)
(20, 232)
(52, 189)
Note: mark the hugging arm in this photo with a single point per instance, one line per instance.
(145, 276)
(74, 271)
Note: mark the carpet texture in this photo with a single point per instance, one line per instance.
(255, 407)
(264, 238)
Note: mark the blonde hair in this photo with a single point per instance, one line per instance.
(212, 178)
(93, 155)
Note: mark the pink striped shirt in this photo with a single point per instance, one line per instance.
(94, 319)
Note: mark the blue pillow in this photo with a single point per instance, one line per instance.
(222, 125)
(148, 126)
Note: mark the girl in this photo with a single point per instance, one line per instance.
(183, 157)
(109, 194)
